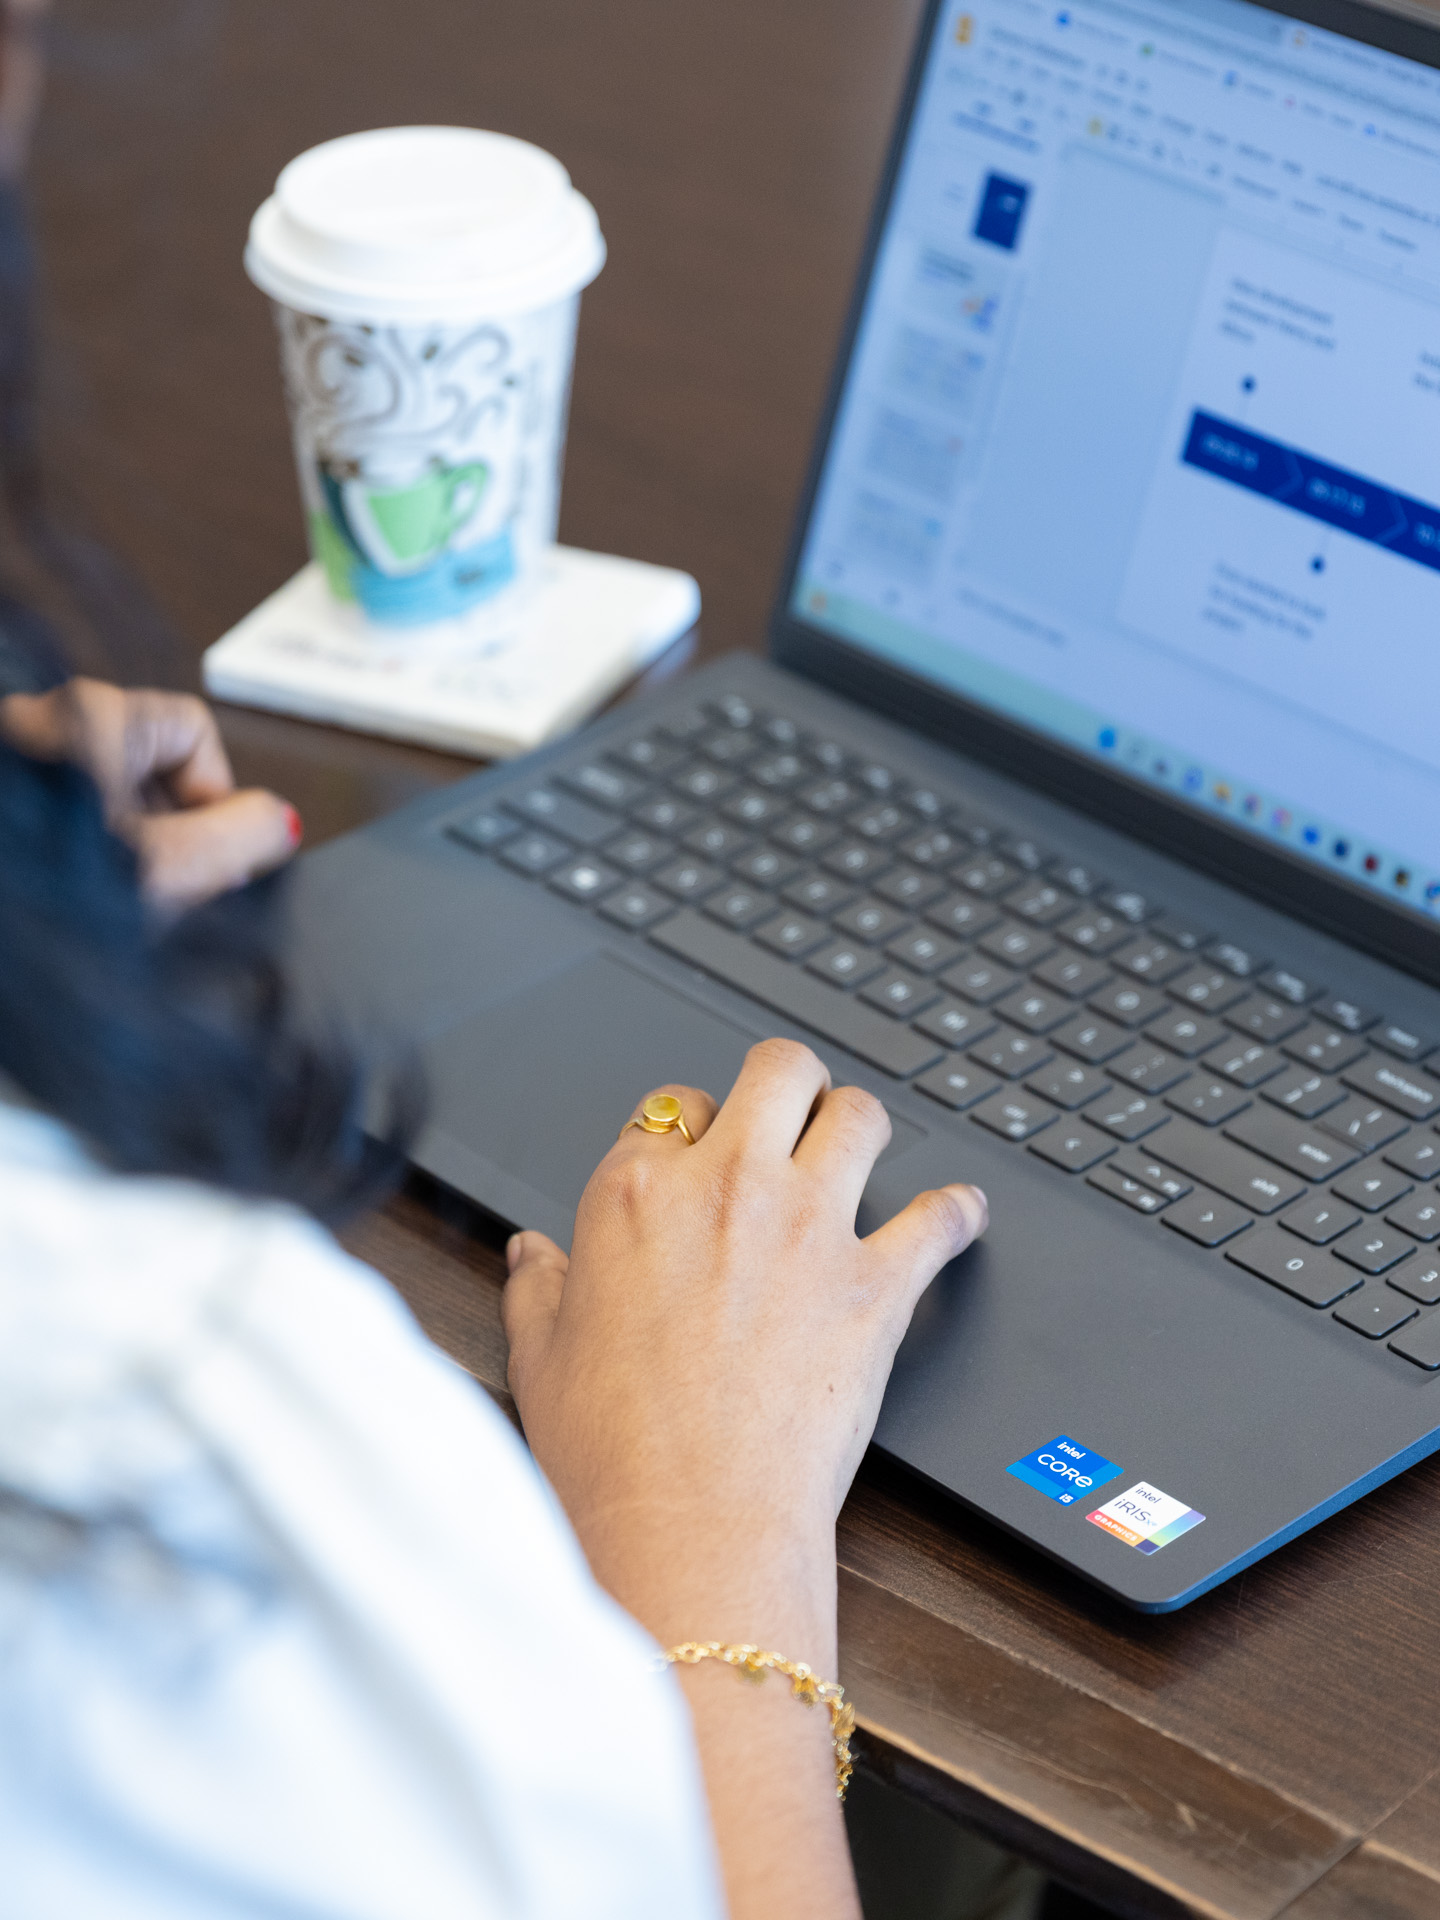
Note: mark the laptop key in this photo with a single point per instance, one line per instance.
(1398, 1086)
(1211, 1102)
(817, 893)
(1324, 1047)
(1319, 1220)
(743, 907)
(648, 756)
(871, 921)
(779, 772)
(1309, 1273)
(1207, 987)
(1418, 1156)
(830, 797)
(792, 934)
(1076, 975)
(717, 840)
(955, 1025)
(754, 808)
(1418, 1282)
(1375, 1312)
(1347, 1014)
(846, 963)
(1244, 1066)
(1291, 1143)
(1372, 1188)
(923, 950)
(1128, 1117)
(1179, 932)
(1403, 1042)
(766, 867)
(1213, 1161)
(485, 831)
(965, 918)
(665, 814)
(935, 847)
(1373, 1249)
(805, 835)
(957, 1084)
(884, 823)
(856, 860)
(707, 784)
(1186, 1033)
(635, 906)
(1133, 1193)
(1130, 905)
(1033, 1009)
(1136, 1164)
(1148, 1067)
(606, 786)
(910, 888)
(1067, 1083)
(1011, 1054)
(534, 853)
(583, 878)
(1289, 985)
(790, 991)
(1418, 1215)
(543, 806)
(1306, 1094)
(1041, 903)
(1018, 947)
(1149, 959)
(1014, 1115)
(1240, 961)
(986, 875)
(1073, 1146)
(1095, 931)
(1128, 1002)
(899, 994)
(1366, 1126)
(689, 879)
(637, 852)
(1207, 1219)
(1079, 878)
(1090, 1038)
(1265, 1018)
(979, 980)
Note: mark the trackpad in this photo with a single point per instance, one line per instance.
(539, 1084)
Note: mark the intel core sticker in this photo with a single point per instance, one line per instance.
(1064, 1470)
(1146, 1518)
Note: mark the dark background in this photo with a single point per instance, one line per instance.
(731, 152)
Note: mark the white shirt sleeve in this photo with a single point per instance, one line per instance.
(325, 1648)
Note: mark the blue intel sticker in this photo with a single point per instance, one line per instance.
(1065, 1470)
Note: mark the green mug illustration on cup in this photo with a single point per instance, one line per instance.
(403, 530)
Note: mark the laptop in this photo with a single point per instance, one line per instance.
(1087, 806)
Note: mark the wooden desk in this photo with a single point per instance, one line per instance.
(1274, 1748)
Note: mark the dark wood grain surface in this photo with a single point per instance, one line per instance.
(1272, 1749)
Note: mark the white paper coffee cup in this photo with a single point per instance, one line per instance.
(426, 283)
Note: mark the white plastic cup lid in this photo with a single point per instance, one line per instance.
(423, 223)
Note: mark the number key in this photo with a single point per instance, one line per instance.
(1419, 1215)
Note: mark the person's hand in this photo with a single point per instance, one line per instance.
(699, 1381)
(701, 1377)
(166, 784)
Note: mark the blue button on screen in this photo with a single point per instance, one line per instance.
(1002, 208)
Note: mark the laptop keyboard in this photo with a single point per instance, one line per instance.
(1245, 1106)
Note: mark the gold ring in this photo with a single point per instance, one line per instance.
(661, 1113)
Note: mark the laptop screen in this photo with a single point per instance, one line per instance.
(1139, 440)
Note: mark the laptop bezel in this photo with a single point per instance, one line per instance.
(1359, 915)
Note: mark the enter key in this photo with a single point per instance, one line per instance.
(1290, 1143)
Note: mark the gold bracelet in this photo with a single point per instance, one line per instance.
(755, 1664)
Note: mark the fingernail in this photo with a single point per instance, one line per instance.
(512, 1251)
(294, 826)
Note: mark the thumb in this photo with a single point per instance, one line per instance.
(531, 1301)
(930, 1232)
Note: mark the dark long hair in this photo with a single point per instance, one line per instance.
(171, 1048)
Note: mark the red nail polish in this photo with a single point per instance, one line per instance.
(295, 826)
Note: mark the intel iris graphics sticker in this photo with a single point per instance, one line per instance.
(1065, 1470)
(1145, 1518)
